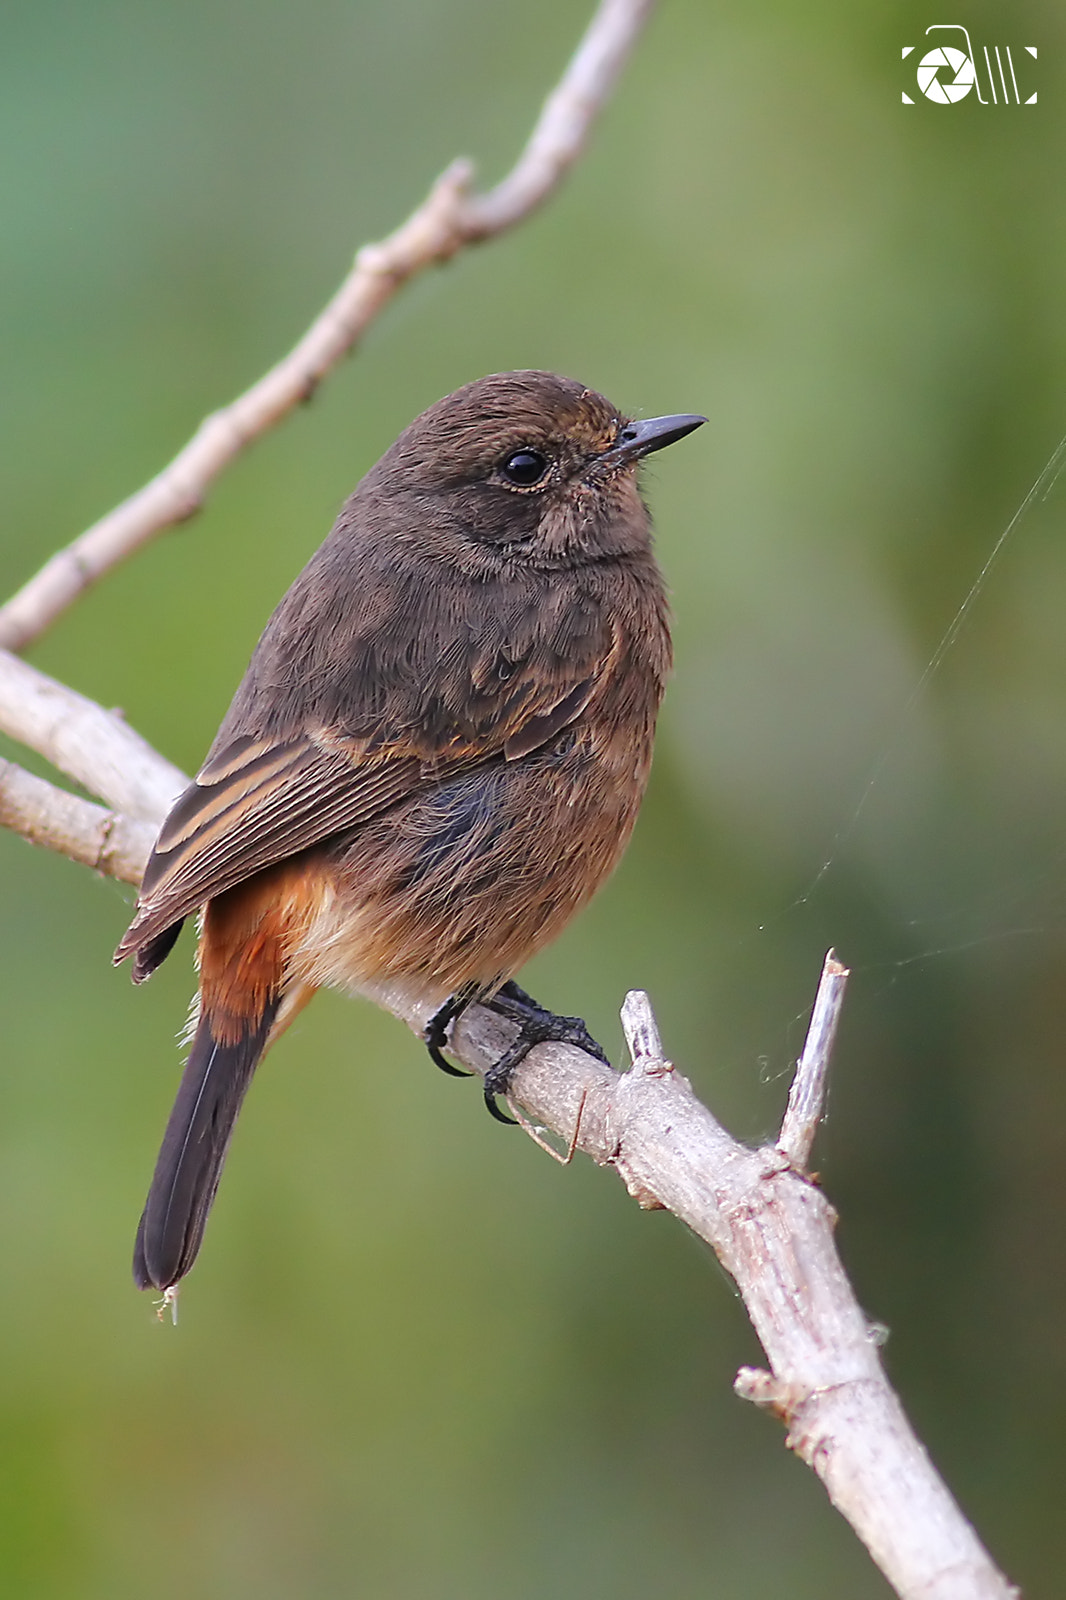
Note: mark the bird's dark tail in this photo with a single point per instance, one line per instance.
(194, 1149)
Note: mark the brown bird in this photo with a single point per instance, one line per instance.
(435, 758)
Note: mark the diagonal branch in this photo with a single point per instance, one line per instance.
(772, 1229)
(449, 219)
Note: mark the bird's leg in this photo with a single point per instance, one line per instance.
(435, 1032)
(537, 1026)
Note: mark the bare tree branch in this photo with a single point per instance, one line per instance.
(450, 218)
(95, 747)
(564, 124)
(45, 815)
(772, 1229)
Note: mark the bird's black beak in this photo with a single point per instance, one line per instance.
(654, 433)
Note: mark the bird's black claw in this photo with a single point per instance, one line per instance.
(440, 1061)
(435, 1033)
(492, 1105)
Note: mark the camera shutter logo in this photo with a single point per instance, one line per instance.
(947, 73)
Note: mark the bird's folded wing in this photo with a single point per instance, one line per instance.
(255, 801)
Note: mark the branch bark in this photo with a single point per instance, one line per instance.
(450, 218)
(97, 748)
(108, 842)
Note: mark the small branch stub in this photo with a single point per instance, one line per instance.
(642, 1034)
(764, 1390)
(806, 1099)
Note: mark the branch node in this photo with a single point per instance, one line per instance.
(102, 863)
(636, 1188)
(770, 1393)
(455, 182)
(375, 260)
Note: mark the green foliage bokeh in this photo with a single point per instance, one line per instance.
(416, 1358)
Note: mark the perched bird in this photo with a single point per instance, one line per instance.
(436, 755)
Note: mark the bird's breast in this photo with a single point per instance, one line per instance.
(464, 883)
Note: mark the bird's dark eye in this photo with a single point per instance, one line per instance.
(524, 468)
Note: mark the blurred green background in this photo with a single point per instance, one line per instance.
(416, 1358)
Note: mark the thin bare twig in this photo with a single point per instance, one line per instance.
(449, 219)
(806, 1098)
